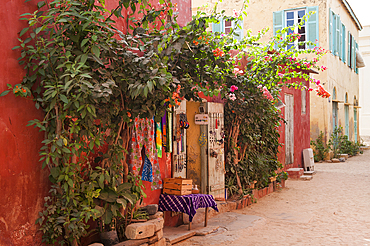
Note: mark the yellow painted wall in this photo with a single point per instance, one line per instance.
(193, 147)
(339, 75)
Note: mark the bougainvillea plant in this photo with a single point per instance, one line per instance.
(91, 80)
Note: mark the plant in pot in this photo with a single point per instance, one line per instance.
(114, 199)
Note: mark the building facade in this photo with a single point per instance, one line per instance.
(364, 101)
(334, 27)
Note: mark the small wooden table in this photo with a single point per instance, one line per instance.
(187, 204)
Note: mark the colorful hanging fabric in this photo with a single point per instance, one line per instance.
(158, 138)
(164, 131)
(169, 132)
(147, 174)
(143, 136)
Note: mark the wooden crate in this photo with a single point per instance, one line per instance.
(177, 186)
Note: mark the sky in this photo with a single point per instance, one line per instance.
(361, 9)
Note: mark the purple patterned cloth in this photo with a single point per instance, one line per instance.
(186, 204)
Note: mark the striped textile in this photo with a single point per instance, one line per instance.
(186, 204)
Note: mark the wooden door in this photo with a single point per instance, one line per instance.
(289, 129)
(216, 154)
(179, 143)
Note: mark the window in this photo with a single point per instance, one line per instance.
(294, 17)
(225, 26)
(289, 17)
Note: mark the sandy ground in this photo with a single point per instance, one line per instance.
(331, 209)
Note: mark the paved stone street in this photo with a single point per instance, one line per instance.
(331, 209)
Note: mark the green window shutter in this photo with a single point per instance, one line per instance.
(343, 43)
(278, 23)
(218, 27)
(331, 40)
(312, 26)
(238, 29)
(356, 48)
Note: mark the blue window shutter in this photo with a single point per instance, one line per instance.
(278, 22)
(312, 26)
(340, 40)
(238, 29)
(343, 43)
(331, 40)
(349, 49)
(353, 53)
(218, 27)
(356, 48)
(334, 34)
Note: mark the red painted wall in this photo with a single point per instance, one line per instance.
(23, 184)
(301, 126)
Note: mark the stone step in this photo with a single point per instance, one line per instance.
(306, 177)
(309, 173)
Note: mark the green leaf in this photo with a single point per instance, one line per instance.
(124, 186)
(83, 113)
(122, 201)
(38, 30)
(24, 31)
(54, 172)
(41, 4)
(96, 51)
(108, 195)
(84, 42)
(70, 182)
(91, 145)
(84, 58)
(107, 217)
(4, 93)
(129, 197)
(63, 98)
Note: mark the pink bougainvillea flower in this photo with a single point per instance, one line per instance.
(267, 94)
(310, 89)
(232, 96)
(235, 13)
(233, 88)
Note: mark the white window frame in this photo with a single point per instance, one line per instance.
(295, 19)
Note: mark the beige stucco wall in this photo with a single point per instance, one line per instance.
(364, 101)
(260, 15)
(340, 75)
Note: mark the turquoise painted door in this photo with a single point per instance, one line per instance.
(335, 115)
(355, 123)
(346, 114)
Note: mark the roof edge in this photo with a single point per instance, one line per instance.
(352, 13)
